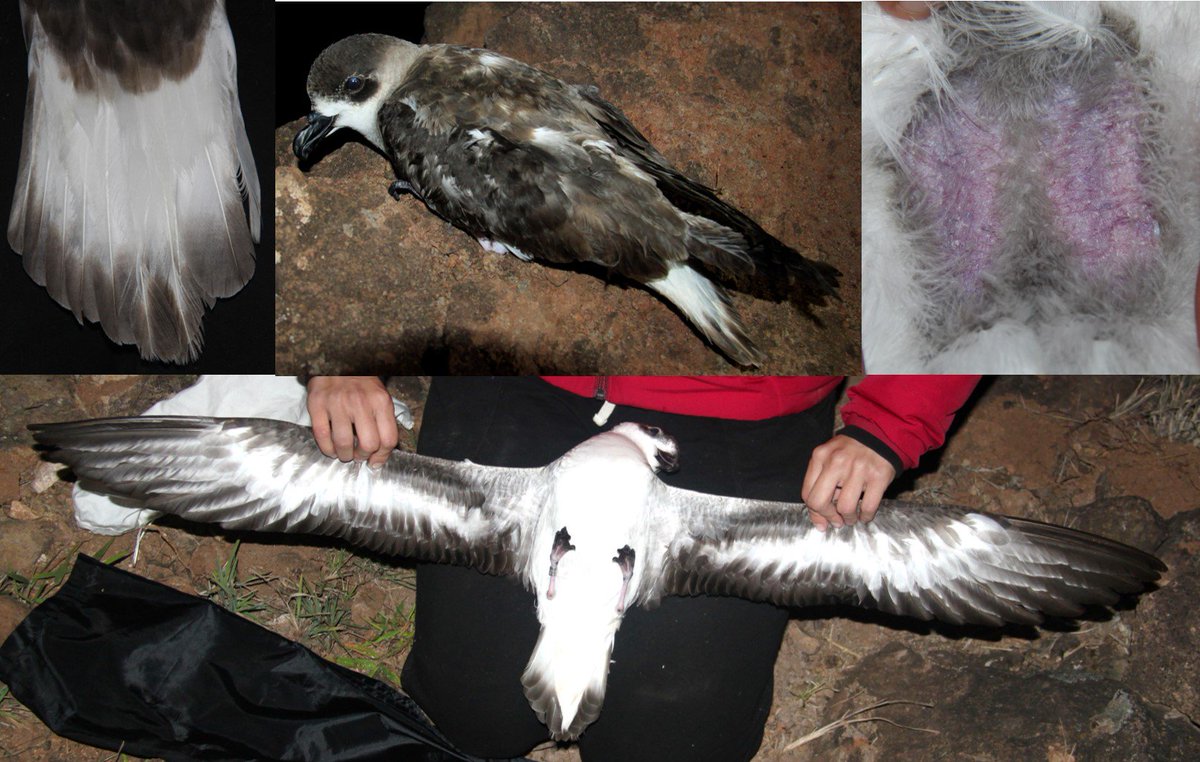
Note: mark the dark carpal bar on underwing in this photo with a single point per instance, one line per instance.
(542, 169)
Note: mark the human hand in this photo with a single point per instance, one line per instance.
(353, 418)
(842, 471)
(910, 11)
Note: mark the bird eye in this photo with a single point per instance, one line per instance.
(353, 83)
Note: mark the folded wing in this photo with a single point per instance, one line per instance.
(263, 475)
(722, 237)
(928, 562)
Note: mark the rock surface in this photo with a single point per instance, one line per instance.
(758, 102)
(1166, 640)
(983, 709)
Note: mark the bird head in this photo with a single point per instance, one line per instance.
(660, 449)
(347, 84)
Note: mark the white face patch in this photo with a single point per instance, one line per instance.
(363, 117)
(389, 72)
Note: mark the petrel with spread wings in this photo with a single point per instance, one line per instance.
(530, 165)
(137, 200)
(596, 531)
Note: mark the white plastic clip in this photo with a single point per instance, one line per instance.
(601, 417)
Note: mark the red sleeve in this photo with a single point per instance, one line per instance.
(909, 414)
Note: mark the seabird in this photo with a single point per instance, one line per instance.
(538, 168)
(137, 200)
(596, 531)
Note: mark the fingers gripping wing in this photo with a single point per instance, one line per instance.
(269, 476)
(928, 562)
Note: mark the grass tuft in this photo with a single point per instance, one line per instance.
(9, 707)
(393, 636)
(806, 694)
(232, 593)
(1167, 406)
(35, 587)
(322, 608)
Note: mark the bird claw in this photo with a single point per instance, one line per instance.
(562, 544)
(400, 187)
(624, 559)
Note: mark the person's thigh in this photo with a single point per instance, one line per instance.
(475, 632)
(691, 679)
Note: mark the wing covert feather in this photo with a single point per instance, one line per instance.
(263, 475)
(928, 562)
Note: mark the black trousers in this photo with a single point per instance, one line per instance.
(690, 680)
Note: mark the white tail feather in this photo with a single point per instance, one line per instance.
(707, 306)
(567, 673)
(129, 206)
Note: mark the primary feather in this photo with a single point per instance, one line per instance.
(599, 503)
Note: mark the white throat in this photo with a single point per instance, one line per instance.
(363, 117)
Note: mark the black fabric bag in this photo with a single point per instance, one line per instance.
(120, 662)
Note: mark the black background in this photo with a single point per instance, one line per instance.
(39, 336)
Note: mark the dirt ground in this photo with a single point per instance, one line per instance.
(1075, 451)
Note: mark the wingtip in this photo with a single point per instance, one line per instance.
(814, 279)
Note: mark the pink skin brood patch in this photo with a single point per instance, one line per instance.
(955, 164)
(1090, 162)
(1095, 163)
